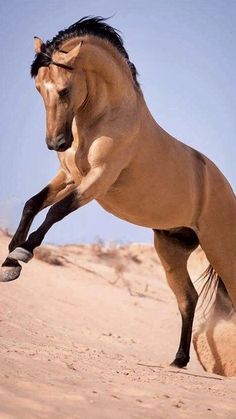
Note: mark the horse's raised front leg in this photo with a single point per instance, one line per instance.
(56, 213)
(54, 191)
(174, 248)
(92, 186)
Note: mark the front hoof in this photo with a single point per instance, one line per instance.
(9, 273)
(21, 254)
(179, 362)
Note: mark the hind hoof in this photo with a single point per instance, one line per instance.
(9, 273)
(19, 253)
(179, 363)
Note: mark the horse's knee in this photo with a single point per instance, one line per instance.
(35, 203)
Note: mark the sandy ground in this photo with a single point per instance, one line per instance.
(90, 335)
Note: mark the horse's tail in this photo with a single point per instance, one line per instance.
(214, 286)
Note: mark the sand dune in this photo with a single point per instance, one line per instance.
(89, 331)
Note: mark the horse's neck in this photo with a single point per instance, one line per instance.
(110, 85)
(111, 92)
(103, 59)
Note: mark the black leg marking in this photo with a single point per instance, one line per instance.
(31, 208)
(56, 213)
(11, 267)
(182, 356)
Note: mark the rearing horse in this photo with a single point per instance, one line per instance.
(111, 149)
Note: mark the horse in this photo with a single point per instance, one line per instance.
(112, 150)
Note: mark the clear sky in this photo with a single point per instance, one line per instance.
(185, 53)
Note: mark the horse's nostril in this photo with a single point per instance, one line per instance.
(60, 145)
(60, 142)
(60, 137)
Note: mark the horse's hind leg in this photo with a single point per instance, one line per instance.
(174, 248)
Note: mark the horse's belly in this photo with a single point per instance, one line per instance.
(123, 213)
(145, 207)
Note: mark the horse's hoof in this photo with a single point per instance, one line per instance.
(9, 273)
(19, 253)
(179, 363)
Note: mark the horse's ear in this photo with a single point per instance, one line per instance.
(37, 44)
(70, 57)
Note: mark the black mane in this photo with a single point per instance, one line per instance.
(86, 26)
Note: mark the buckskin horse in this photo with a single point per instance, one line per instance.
(111, 149)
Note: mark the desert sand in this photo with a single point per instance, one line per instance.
(88, 331)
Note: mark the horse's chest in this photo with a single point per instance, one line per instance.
(82, 163)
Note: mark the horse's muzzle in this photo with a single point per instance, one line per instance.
(61, 143)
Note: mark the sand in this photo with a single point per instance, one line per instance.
(90, 333)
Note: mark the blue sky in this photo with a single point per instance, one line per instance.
(185, 53)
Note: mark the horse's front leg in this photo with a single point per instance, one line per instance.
(94, 185)
(54, 191)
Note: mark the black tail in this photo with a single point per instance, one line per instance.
(214, 286)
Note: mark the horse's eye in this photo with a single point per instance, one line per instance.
(64, 93)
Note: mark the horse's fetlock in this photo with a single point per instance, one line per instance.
(12, 245)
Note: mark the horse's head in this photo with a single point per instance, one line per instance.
(57, 84)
